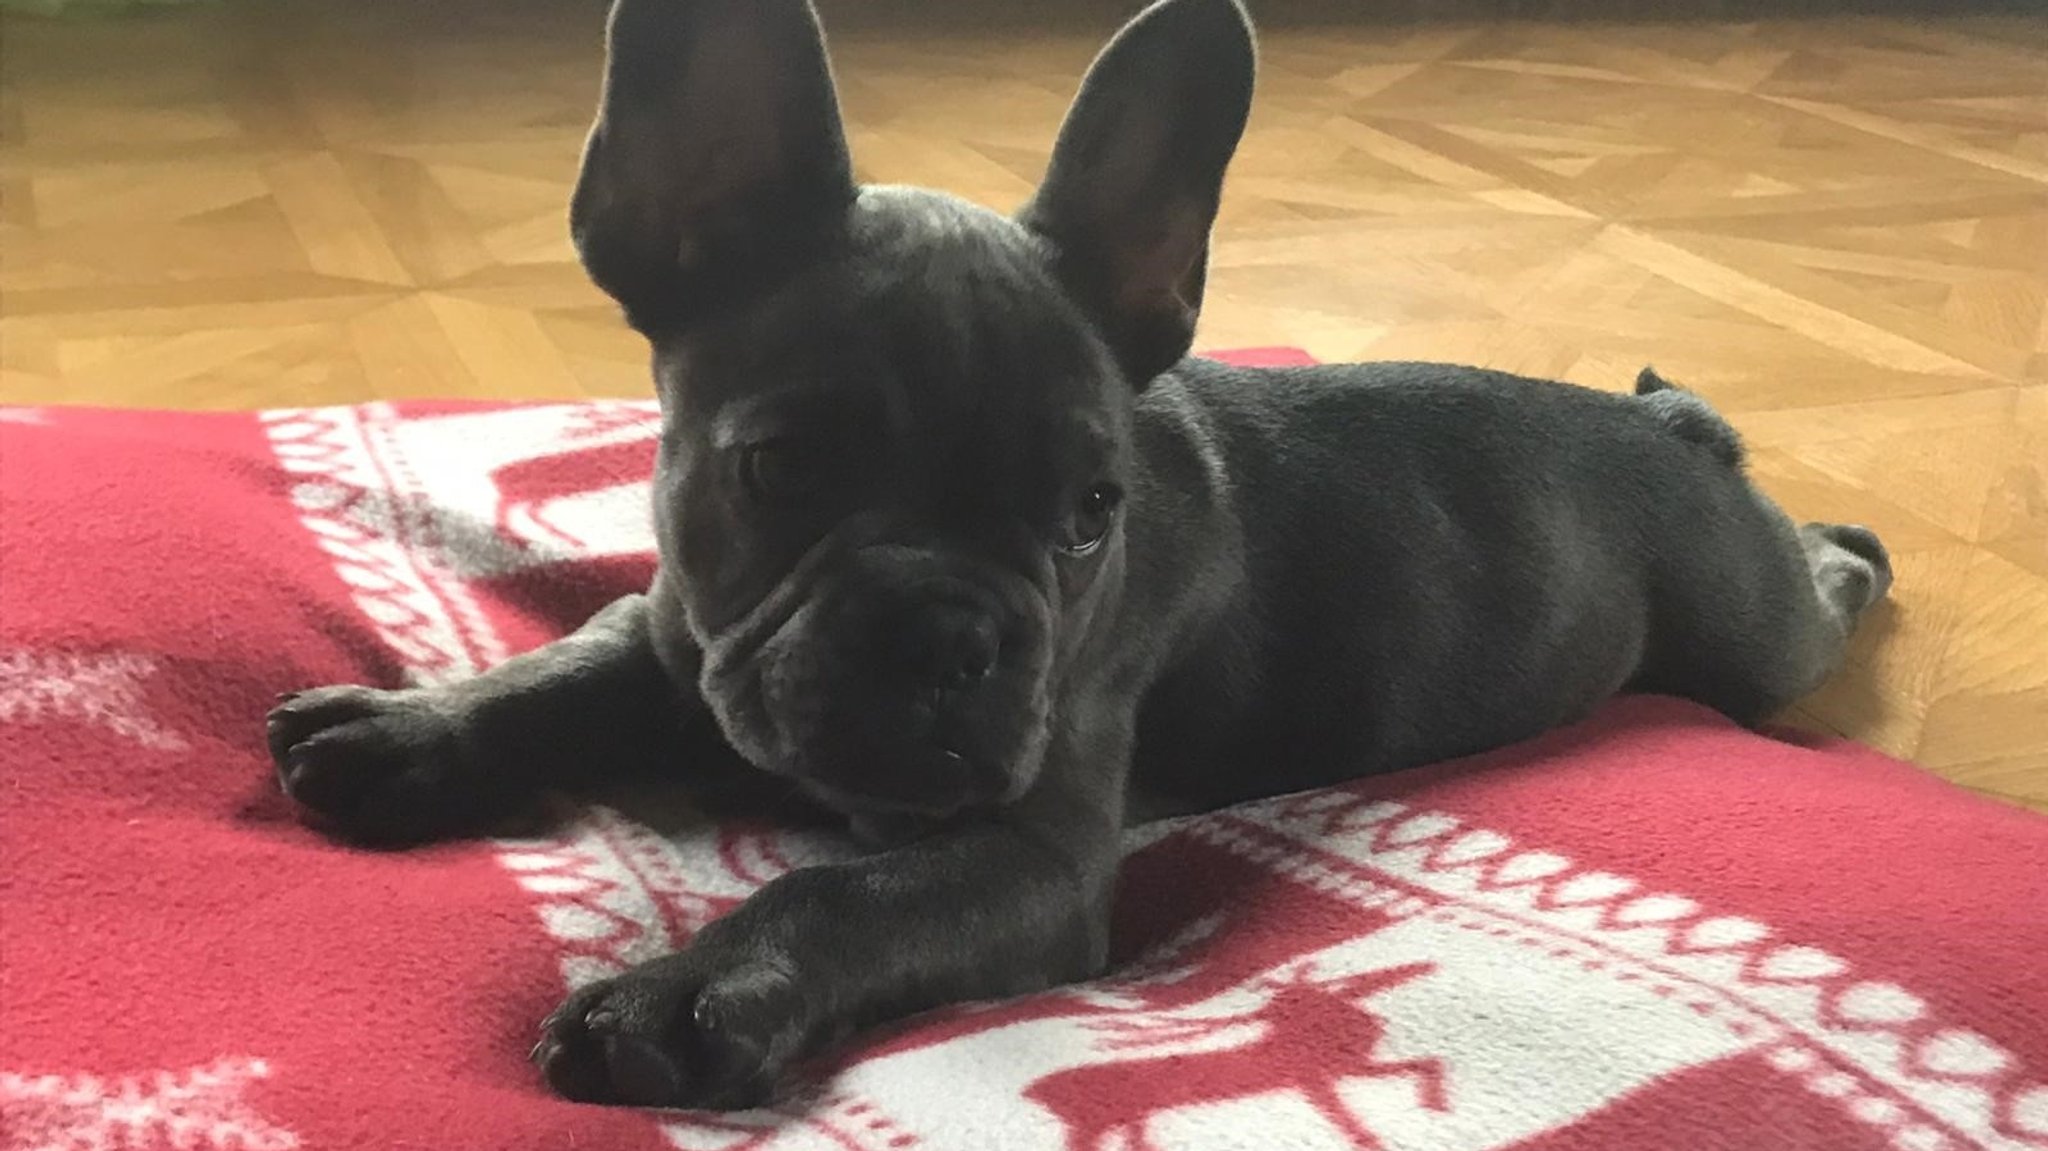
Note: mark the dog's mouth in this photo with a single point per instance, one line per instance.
(860, 745)
(846, 689)
(946, 783)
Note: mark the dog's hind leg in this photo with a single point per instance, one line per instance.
(1765, 608)
(1785, 627)
(1851, 571)
(1759, 611)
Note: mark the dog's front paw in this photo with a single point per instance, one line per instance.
(685, 1030)
(378, 766)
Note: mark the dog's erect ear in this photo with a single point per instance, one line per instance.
(1138, 169)
(717, 162)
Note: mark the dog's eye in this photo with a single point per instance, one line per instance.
(778, 472)
(1089, 521)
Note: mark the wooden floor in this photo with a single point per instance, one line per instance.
(1837, 229)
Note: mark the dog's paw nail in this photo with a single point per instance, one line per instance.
(288, 696)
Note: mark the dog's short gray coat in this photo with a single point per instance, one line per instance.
(957, 543)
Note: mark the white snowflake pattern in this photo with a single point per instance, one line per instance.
(197, 1109)
(106, 690)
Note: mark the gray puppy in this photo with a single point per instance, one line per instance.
(956, 542)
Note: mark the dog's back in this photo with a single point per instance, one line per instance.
(1434, 560)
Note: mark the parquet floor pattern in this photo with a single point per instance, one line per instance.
(1837, 229)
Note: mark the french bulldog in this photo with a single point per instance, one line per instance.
(957, 541)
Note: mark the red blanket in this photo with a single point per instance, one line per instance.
(1651, 931)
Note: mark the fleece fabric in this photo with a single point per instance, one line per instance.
(1650, 931)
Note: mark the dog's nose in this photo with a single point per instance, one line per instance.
(951, 646)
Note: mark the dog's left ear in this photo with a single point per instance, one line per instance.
(1137, 172)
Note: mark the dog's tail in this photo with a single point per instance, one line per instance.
(1648, 381)
(1690, 417)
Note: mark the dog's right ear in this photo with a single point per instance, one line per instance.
(717, 163)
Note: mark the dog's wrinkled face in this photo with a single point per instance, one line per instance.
(892, 485)
(898, 426)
